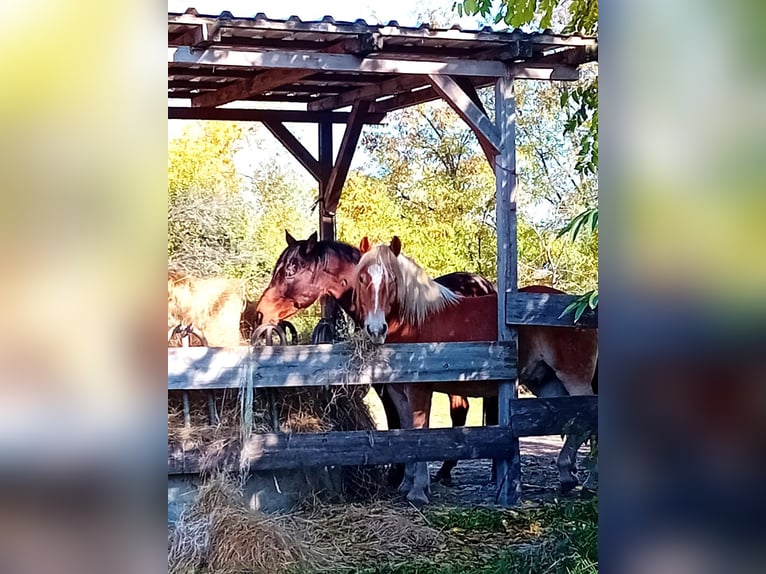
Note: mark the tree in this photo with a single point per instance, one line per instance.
(581, 103)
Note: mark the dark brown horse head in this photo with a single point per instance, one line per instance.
(304, 271)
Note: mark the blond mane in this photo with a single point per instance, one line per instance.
(418, 295)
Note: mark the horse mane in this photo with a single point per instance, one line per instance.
(322, 253)
(418, 295)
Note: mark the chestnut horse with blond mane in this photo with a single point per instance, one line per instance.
(400, 303)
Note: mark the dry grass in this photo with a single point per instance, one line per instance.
(221, 535)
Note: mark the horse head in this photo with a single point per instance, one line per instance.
(293, 284)
(376, 282)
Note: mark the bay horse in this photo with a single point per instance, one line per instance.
(308, 269)
(400, 303)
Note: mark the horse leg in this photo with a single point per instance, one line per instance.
(491, 419)
(458, 412)
(396, 472)
(401, 409)
(567, 460)
(419, 399)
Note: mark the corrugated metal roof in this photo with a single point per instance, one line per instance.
(188, 77)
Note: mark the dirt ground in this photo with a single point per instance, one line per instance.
(471, 483)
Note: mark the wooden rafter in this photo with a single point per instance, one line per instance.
(385, 88)
(243, 89)
(345, 154)
(295, 147)
(487, 133)
(251, 115)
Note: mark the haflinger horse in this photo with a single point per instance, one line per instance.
(308, 269)
(400, 303)
(209, 308)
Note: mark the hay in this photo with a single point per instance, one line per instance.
(299, 410)
(221, 534)
(368, 534)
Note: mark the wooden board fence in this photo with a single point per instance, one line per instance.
(529, 417)
(319, 365)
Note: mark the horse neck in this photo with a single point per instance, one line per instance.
(336, 279)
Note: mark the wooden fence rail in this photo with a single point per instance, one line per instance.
(320, 365)
(529, 417)
(545, 309)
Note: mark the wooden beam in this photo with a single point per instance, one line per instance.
(562, 73)
(198, 36)
(405, 100)
(554, 416)
(470, 90)
(509, 469)
(480, 124)
(273, 451)
(345, 154)
(320, 365)
(294, 146)
(385, 88)
(242, 89)
(343, 448)
(333, 62)
(254, 115)
(544, 309)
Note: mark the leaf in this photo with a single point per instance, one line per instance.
(593, 300)
(471, 6)
(580, 311)
(569, 308)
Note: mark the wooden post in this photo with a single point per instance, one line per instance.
(326, 220)
(509, 470)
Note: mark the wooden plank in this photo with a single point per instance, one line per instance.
(554, 416)
(480, 124)
(386, 88)
(544, 309)
(562, 73)
(253, 115)
(470, 90)
(295, 147)
(319, 365)
(406, 99)
(333, 62)
(509, 470)
(242, 89)
(302, 450)
(345, 154)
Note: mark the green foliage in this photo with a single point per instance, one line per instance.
(587, 220)
(582, 14)
(585, 301)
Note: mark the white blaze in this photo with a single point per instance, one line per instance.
(376, 320)
(376, 275)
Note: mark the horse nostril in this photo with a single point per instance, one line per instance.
(258, 318)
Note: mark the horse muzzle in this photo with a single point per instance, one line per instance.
(376, 332)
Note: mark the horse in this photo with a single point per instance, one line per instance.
(400, 303)
(210, 308)
(308, 269)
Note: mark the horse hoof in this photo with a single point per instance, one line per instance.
(417, 499)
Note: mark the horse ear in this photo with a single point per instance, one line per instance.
(364, 245)
(290, 239)
(396, 245)
(311, 242)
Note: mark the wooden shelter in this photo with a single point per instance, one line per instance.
(353, 73)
